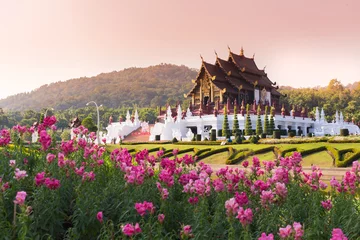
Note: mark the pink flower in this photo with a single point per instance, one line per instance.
(99, 216)
(40, 178)
(161, 218)
(103, 140)
(231, 207)
(241, 198)
(218, 185)
(299, 232)
(20, 198)
(45, 140)
(337, 234)
(266, 237)
(164, 193)
(130, 230)
(12, 163)
(193, 200)
(144, 207)
(327, 205)
(281, 190)
(285, 232)
(186, 231)
(50, 157)
(245, 164)
(52, 183)
(20, 174)
(175, 151)
(267, 197)
(245, 216)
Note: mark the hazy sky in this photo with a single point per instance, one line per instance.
(303, 43)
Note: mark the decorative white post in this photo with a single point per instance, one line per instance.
(98, 120)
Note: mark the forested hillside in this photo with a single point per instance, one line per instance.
(151, 86)
(333, 97)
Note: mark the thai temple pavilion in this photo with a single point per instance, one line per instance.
(235, 80)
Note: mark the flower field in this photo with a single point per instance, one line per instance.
(78, 190)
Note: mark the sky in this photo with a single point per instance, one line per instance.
(303, 43)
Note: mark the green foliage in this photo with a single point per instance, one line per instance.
(266, 122)
(213, 135)
(236, 127)
(65, 135)
(271, 124)
(344, 132)
(174, 140)
(225, 126)
(238, 139)
(146, 87)
(259, 129)
(248, 127)
(89, 124)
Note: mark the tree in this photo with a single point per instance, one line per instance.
(236, 129)
(89, 124)
(225, 128)
(272, 122)
(248, 127)
(259, 129)
(266, 122)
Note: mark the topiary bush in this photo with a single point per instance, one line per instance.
(174, 140)
(248, 127)
(213, 135)
(226, 129)
(344, 132)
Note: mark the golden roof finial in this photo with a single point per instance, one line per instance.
(216, 53)
(242, 51)
(264, 68)
(229, 48)
(202, 59)
(254, 56)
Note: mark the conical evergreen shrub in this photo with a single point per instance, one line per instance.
(226, 129)
(235, 128)
(248, 127)
(259, 129)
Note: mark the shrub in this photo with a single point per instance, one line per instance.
(225, 130)
(65, 135)
(238, 139)
(219, 131)
(344, 132)
(235, 122)
(254, 139)
(213, 135)
(276, 134)
(157, 137)
(198, 137)
(263, 135)
(259, 129)
(309, 134)
(174, 140)
(291, 134)
(248, 127)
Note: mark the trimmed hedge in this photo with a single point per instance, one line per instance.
(216, 143)
(311, 151)
(239, 156)
(283, 152)
(200, 151)
(214, 151)
(186, 150)
(264, 150)
(138, 143)
(348, 161)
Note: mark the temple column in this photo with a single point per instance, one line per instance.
(221, 97)
(305, 130)
(211, 92)
(201, 94)
(193, 99)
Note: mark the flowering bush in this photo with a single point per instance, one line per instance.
(77, 190)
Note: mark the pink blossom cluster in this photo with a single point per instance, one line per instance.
(80, 130)
(245, 216)
(264, 236)
(50, 183)
(4, 137)
(327, 205)
(67, 147)
(337, 234)
(20, 174)
(350, 181)
(130, 229)
(49, 121)
(20, 129)
(145, 207)
(20, 198)
(186, 232)
(45, 140)
(294, 231)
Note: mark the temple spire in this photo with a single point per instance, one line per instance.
(242, 51)
(216, 54)
(202, 59)
(229, 48)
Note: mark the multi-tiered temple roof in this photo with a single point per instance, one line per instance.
(237, 78)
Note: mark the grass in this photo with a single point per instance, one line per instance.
(218, 158)
(268, 156)
(320, 159)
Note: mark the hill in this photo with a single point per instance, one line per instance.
(150, 86)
